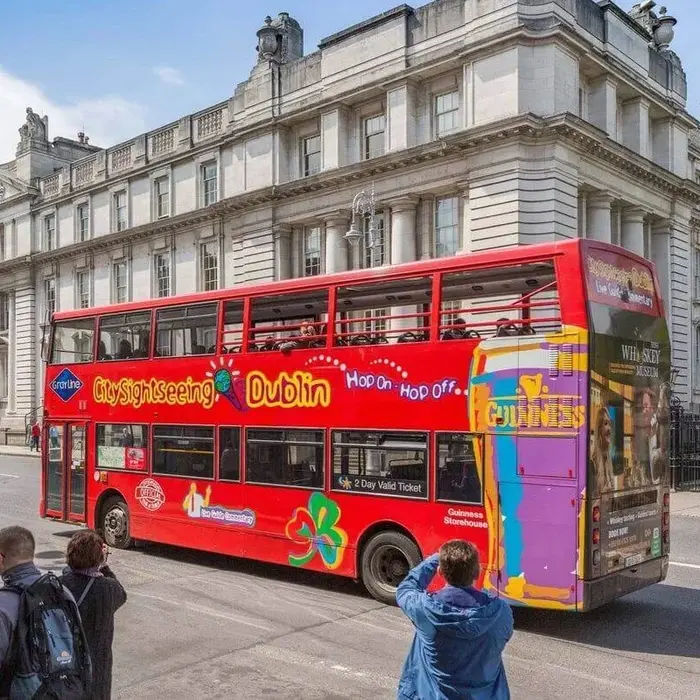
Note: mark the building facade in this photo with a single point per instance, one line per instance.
(479, 125)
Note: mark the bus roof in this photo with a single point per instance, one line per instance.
(489, 258)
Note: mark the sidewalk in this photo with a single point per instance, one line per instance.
(17, 451)
(685, 503)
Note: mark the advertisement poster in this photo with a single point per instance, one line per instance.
(135, 458)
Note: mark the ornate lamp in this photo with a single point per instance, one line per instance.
(363, 205)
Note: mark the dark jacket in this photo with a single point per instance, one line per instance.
(23, 575)
(97, 613)
(460, 634)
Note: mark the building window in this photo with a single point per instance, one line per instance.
(82, 283)
(184, 450)
(374, 256)
(374, 128)
(120, 210)
(162, 195)
(49, 232)
(209, 261)
(696, 356)
(50, 296)
(446, 226)
(209, 184)
(285, 457)
(376, 322)
(120, 282)
(312, 251)
(161, 270)
(82, 214)
(446, 113)
(311, 151)
(696, 273)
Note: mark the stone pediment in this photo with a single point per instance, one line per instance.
(11, 186)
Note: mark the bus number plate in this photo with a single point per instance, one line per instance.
(636, 559)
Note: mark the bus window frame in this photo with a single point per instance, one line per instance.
(149, 356)
(54, 324)
(217, 330)
(241, 445)
(152, 472)
(436, 465)
(323, 443)
(428, 472)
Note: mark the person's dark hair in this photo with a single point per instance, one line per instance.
(85, 550)
(459, 563)
(17, 543)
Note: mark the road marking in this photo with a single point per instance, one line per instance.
(680, 563)
(193, 607)
(11, 476)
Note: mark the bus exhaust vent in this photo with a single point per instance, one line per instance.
(553, 360)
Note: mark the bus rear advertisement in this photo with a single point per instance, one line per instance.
(352, 423)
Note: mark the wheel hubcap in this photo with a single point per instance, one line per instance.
(115, 523)
(389, 567)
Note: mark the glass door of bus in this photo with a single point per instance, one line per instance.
(66, 461)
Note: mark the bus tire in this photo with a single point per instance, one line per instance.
(386, 559)
(115, 523)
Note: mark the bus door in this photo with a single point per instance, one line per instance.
(65, 456)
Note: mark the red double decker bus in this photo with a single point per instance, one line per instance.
(351, 423)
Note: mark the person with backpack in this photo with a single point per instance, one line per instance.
(460, 630)
(43, 650)
(99, 595)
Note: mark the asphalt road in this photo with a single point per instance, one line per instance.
(199, 625)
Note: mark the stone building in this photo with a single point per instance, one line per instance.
(480, 124)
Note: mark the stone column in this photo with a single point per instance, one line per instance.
(465, 217)
(602, 105)
(661, 255)
(403, 229)
(11, 357)
(336, 245)
(598, 217)
(635, 126)
(401, 117)
(633, 230)
(403, 249)
(282, 235)
(582, 214)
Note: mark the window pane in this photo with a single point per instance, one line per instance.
(374, 136)
(72, 341)
(161, 264)
(312, 251)
(83, 289)
(446, 226)
(122, 447)
(374, 255)
(124, 336)
(209, 183)
(446, 112)
(50, 295)
(209, 253)
(229, 454)
(187, 330)
(285, 457)
(457, 470)
(312, 155)
(180, 450)
(120, 281)
(381, 463)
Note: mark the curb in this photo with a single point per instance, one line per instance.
(8, 450)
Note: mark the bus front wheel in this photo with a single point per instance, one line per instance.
(386, 559)
(115, 523)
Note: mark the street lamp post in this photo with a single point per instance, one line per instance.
(363, 205)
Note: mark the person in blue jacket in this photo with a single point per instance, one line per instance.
(460, 631)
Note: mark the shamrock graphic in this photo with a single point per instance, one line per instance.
(316, 528)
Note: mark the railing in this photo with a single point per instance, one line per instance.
(51, 185)
(685, 449)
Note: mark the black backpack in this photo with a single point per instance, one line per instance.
(49, 657)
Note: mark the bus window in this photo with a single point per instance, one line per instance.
(505, 301)
(186, 330)
(397, 311)
(183, 450)
(72, 341)
(229, 453)
(122, 446)
(124, 336)
(382, 463)
(457, 471)
(285, 457)
(232, 334)
(289, 321)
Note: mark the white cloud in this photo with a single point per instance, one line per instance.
(168, 75)
(106, 120)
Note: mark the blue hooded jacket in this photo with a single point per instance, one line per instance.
(460, 634)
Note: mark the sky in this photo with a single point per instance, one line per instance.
(117, 68)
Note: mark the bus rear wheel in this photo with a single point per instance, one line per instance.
(115, 523)
(386, 559)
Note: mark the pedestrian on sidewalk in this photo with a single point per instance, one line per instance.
(99, 595)
(460, 631)
(36, 434)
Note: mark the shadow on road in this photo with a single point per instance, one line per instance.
(662, 619)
